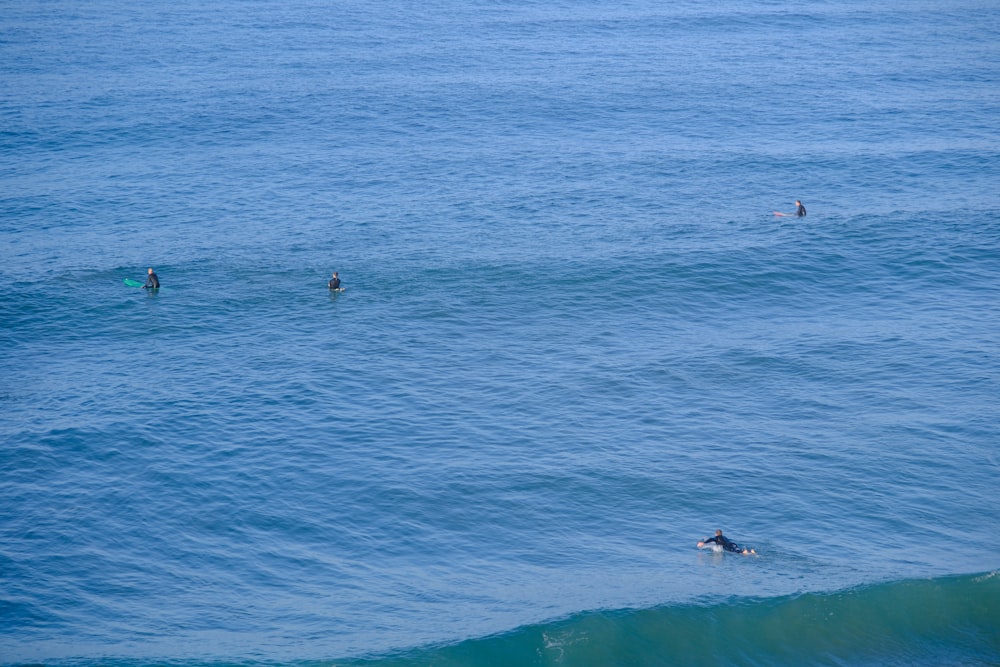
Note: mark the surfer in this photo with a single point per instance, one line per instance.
(726, 544)
(334, 283)
(800, 211)
(152, 281)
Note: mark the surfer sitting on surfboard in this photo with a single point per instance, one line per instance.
(152, 281)
(724, 543)
(334, 283)
(800, 211)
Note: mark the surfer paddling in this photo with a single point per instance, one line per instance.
(722, 543)
(800, 211)
(152, 281)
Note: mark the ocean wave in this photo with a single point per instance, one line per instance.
(946, 620)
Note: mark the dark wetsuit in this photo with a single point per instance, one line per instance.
(800, 211)
(725, 543)
(152, 282)
(334, 283)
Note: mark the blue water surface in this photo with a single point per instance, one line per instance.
(574, 338)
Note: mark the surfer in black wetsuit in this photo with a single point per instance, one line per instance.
(800, 211)
(152, 281)
(725, 543)
(334, 282)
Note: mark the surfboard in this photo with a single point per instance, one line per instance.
(133, 283)
(338, 289)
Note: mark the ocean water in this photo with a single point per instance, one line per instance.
(574, 339)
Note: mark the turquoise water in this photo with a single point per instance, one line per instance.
(574, 339)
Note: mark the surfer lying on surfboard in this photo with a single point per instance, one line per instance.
(721, 543)
(800, 211)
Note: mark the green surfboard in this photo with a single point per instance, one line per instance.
(133, 283)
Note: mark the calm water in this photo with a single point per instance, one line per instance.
(574, 340)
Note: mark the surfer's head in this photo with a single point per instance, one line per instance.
(718, 533)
